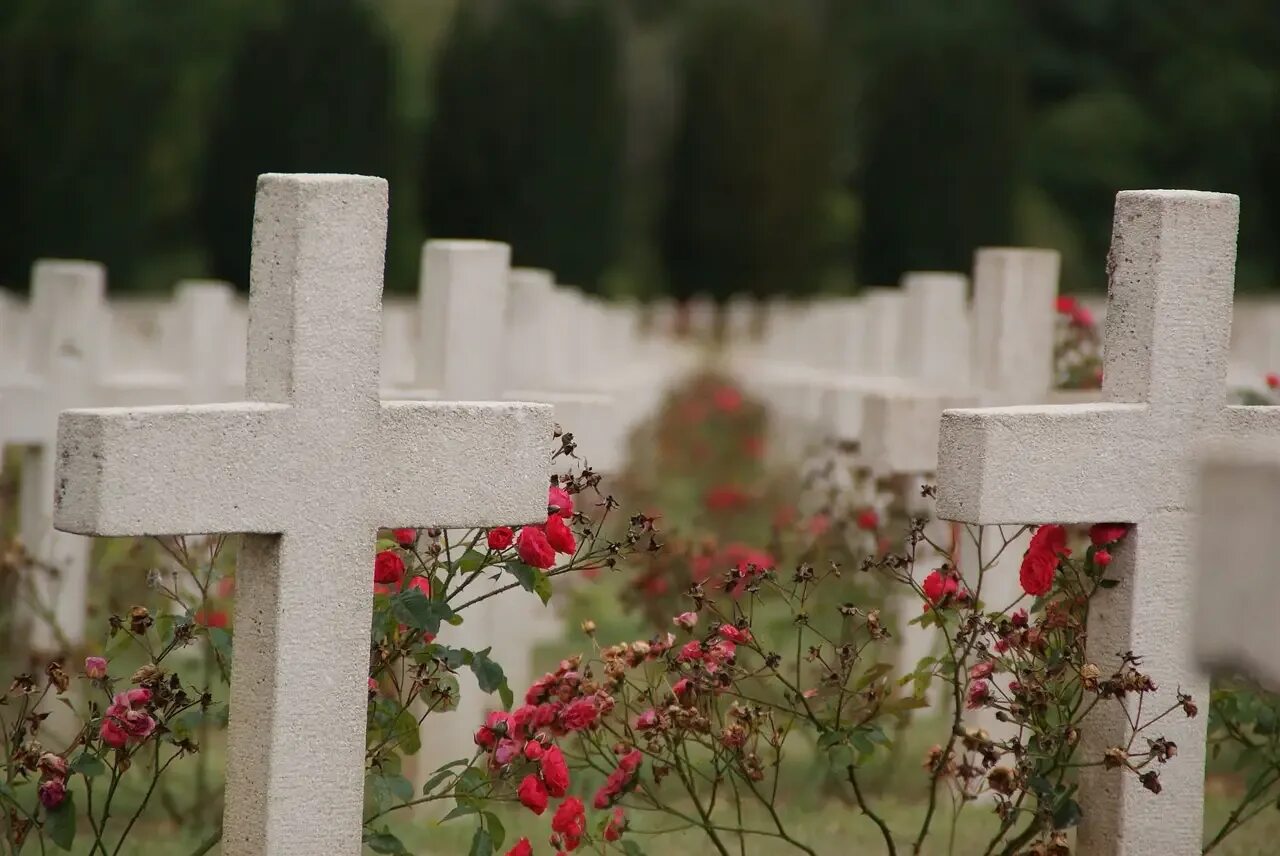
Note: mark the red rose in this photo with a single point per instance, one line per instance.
(522, 848)
(616, 826)
(727, 399)
(532, 794)
(938, 585)
(982, 670)
(52, 793)
(1103, 534)
(1050, 538)
(213, 618)
(405, 537)
(1273, 380)
(979, 694)
(533, 549)
(868, 519)
(559, 536)
(422, 584)
(578, 714)
(533, 750)
(388, 567)
(1036, 573)
(736, 635)
(1102, 557)
(570, 819)
(500, 537)
(555, 772)
(1065, 305)
(559, 502)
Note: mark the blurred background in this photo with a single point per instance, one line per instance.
(636, 146)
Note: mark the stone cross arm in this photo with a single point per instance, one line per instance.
(1071, 463)
(156, 470)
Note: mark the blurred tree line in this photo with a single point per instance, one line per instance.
(692, 146)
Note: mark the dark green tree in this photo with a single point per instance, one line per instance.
(750, 171)
(83, 84)
(525, 143)
(311, 91)
(943, 109)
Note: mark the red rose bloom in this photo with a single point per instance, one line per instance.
(559, 502)
(727, 399)
(500, 537)
(533, 549)
(578, 714)
(868, 519)
(1273, 380)
(616, 826)
(938, 585)
(979, 694)
(388, 567)
(522, 848)
(555, 772)
(1036, 573)
(1050, 538)
(559, 536)
(570, 820)
(1103, 534)
(1065, 305)
(532, 794)
(405, 537)
(1102, 557)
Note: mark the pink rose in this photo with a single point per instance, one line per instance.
(95, 667)
(559, 536)
(559, 503)
(52, 793)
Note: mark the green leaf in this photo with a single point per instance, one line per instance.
(497, 831)
(387, 790)
(117, 644)
(531, 579)
(440, 775)
(418, 611)
(1067, 814)
(1108, 584)
(86, 764)
(470, 562)
(489, 676)
(383, 842)
(630, 848)
(481, 843)
(221, 641)
(60, 824)
(408, 738)
(460, 810)
(440, 692)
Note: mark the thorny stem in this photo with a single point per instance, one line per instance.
(890, 848)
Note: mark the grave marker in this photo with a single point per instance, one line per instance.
(1128, 459)
(309, 468)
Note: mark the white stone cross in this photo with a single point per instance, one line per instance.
(1237, 600)
(1129, 459)
(309, 468)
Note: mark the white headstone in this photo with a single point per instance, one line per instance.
(1237, 599)
(1129, 459)
(310, 467)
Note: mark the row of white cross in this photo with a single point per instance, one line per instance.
(313, 462)
(1131, 456)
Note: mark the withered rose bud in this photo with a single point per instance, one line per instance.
(1089, 674)
(139, 620)
(22, 684)
(1162, 750)
(1188, 705)
(1115, 758)
(589, 627)
(53, 766)
(434, 531)
(58, 676)
(1151, 781)
(148, 674)
(1001, 780)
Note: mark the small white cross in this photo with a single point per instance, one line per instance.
(311, 466)
(1129, 459)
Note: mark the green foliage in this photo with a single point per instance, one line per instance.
(308, 92)
(750, 168)
(526, 141)
(943, 111)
